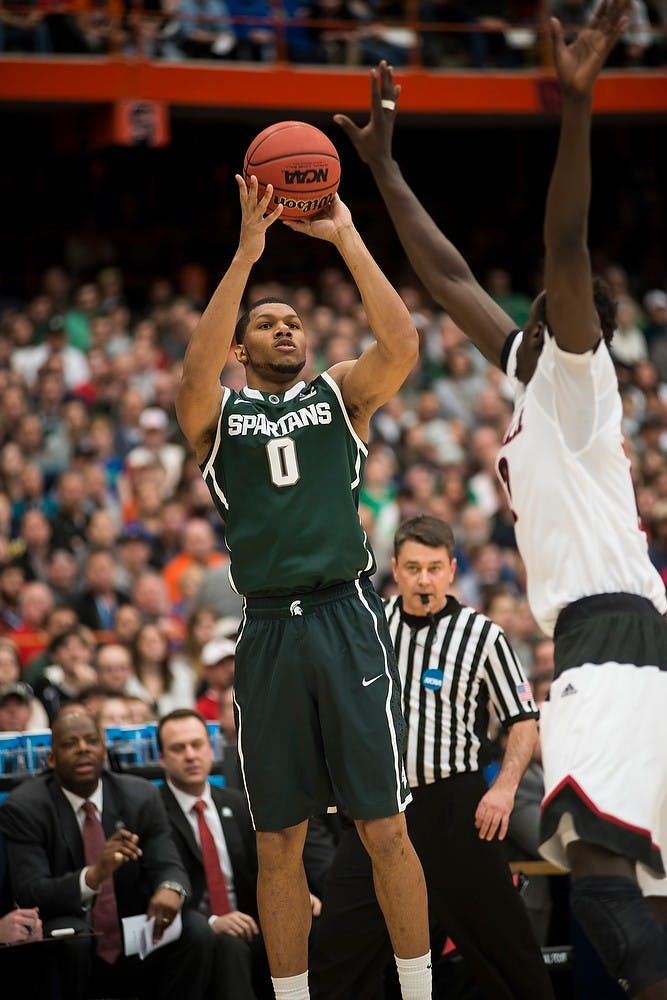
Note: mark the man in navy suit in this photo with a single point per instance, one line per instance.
(241, 967)
(134, 869)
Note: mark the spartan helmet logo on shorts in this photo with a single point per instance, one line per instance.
(295, 608)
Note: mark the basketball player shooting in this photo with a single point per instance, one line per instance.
(589, 579)
(316, 681)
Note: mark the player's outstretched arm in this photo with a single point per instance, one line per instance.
(435, 260)
(383, 367)
(200, 393)
(571, 312)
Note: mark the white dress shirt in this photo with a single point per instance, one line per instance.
(212, 817)
(76, 802)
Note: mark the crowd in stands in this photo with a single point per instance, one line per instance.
(113, 565)
(485, 33)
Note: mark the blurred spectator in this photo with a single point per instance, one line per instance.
(128, 622)
(62, 575)
(128, 410)
(200, 628)
(255, 39)
(498, 283)
(69, 672)
(655, 318)
(114, 711)
(115, 668)
(58, 621)
(32, 359)
(151, 599)
(135, 546)
(201, 29)
(218, 666)
(97, 26)
(460, 385)
(11, 680)
(12, 579)
(17, 703)
(484, 443)
(35, 544)
(199, 548)
(102, 532)
(629, 343)
(70, 522)
(542, 662)
(341, 30)
(28, 491)
(23, 27)
(165, 685)
(303, 46)
(91, 697)
(632, 48)
(98, 602)
(153, 426)
(655, 329)
(141, 711)
(34, 607)
(501, 605)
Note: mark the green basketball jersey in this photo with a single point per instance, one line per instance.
(284, 473)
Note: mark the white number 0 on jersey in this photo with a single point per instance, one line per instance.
(283, 463)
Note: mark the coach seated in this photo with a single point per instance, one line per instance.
(88, 848)
(213, 831)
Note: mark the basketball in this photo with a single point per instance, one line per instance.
(302, 164)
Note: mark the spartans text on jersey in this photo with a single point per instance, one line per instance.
(257, 423)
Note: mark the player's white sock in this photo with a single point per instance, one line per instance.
(291, 987)
(414, 975)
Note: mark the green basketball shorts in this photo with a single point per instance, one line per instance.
(317, 693)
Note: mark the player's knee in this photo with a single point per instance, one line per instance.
(280, 847)
(383, 838)
(617, 920)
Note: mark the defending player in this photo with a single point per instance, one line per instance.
(590, 582)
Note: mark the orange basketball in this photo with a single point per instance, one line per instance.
(302, 164)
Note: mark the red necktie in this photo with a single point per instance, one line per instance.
(215, 880)
(105, 911)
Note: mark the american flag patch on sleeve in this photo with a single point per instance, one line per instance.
(524, 692)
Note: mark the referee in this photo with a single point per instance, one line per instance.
(453, 661)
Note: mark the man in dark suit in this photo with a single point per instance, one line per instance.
(241, 967)
(88, 848)
(32, 967)
(98, 602)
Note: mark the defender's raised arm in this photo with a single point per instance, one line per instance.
(435, 260)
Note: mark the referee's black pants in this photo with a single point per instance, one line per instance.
(471, 895)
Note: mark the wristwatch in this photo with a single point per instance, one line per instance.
(177, 887)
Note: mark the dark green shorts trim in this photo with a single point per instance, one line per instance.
(319, 709)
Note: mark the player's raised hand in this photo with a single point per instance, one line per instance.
(373, 141)
(326, 225)
(579, 62)
(254, 221)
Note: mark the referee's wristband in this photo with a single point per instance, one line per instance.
(508, 352)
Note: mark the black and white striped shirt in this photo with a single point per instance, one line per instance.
(451, 664)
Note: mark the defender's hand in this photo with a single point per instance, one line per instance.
(373, 141)
(579, 62)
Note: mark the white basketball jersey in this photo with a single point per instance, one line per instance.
(568, 482)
